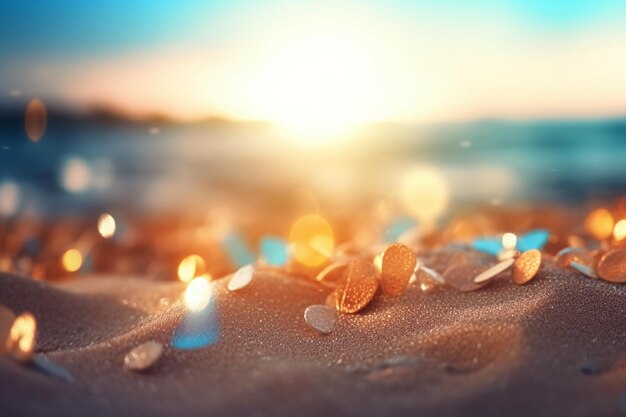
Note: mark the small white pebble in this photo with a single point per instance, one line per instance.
(241, 278)
(143, 356)
(321, 318)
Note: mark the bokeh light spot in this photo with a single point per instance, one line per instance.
(76, 176)
(619, 232)
(198, 294)
(9, 199)
(311, 240)
(106, 225)
(599, 223)
(72, 260)
(191, 267)
(509, 241)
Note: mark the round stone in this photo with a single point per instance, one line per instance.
(143, 356)
(568, 255)
(398, 264)
(321, 318)
(241, 278)
(359, 287)
(612, 266)
(526, 266)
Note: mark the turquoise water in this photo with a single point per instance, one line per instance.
(134, 168)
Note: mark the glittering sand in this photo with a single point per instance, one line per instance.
(556, 346)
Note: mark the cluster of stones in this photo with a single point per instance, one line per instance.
(356, 282)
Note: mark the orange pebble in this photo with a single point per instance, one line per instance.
(526, 266)
(397, 267)
(612, 266)
(359, 287)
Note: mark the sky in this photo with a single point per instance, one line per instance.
(319, 63)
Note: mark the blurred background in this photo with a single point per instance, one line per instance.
(265, 111)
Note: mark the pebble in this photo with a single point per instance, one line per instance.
(398, 264)
(612, 266)
(568, 255)
(526, 266)
(143, 356)
(241, 278)
(321, 318)
(493, 271)
(359, 288)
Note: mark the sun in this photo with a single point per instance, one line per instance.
(317, 87)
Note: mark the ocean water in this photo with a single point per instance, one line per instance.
(91, 166)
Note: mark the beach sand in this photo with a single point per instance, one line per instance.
(556, 346)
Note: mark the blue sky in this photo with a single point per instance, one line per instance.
(92, 27)
(71, 39)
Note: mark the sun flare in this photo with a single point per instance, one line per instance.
(316, 87)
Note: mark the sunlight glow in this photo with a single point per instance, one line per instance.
(316, 87)
(424, 192)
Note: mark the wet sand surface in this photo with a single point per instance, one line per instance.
(556, 346)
